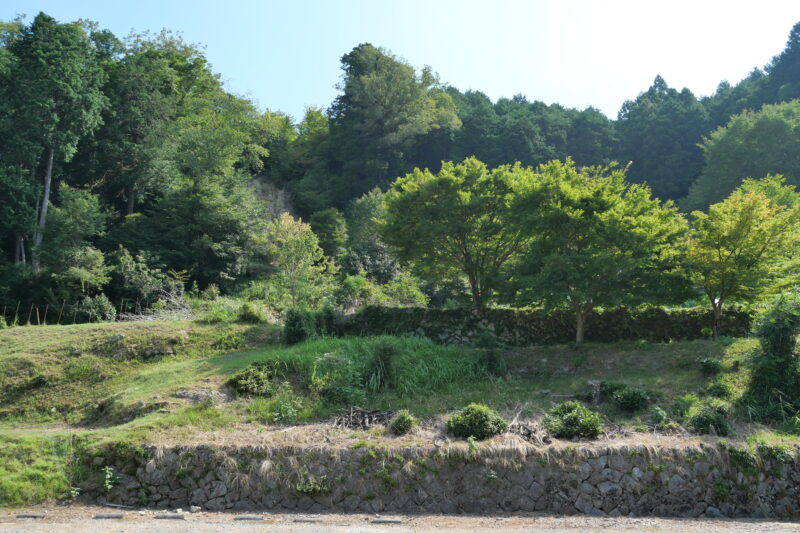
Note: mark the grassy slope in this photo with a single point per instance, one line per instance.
(54, 377)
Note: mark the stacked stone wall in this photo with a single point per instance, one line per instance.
(636, 481)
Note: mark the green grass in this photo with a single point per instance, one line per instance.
(34, 469)
(53, 377)
(59, 374)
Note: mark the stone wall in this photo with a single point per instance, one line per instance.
(520, 327)
(703, 480)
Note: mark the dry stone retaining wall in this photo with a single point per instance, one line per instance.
(636, 481)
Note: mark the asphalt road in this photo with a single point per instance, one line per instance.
(79, 519)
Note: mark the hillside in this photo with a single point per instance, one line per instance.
(166, 383)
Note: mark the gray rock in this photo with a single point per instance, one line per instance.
(217, 504)
(584, 504)
(607, 487)
(195, 509)
(713, 512)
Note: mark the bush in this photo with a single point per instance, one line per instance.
(658, 416)
(283, 406)
(378, 373)
(631, 399)
(773, 393)
(254, 380)
(571, 419)
(709, 366)
(336, 378)
(211, 292)
(216, 312)
(493, 362)
(3, 323)
(251, 314)
(478, 421)
(97, 309)
(300, 325)
(297, 326)
(325, 322)
(684, 404)
(710, 416)
(720, 389)
(403, 422)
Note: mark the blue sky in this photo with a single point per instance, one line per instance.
(285, 55)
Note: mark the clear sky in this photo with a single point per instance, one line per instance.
(285, 54)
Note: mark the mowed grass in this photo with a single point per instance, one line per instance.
(59, 374)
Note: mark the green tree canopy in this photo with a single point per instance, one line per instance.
(456, 223)
(597, 241)
(752, 145)
(302, 271)
(331, 229)
(385, 110)
(54, 96)
(659, 133)
(745, 244)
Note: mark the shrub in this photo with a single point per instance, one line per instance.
(403, 422)
(297, 326)
(216, 312)
(254, 380)
(337, 379)
(251, 314)
(778, 453)
(609, 388)
(493, 363)
(378, 373)
(3, 323)
(658, 416)
(97, 309)
(709, 366)
(710, 416)
(720, 389)
(684, 404)
(525, 327)
(774, 387)
(325, 322)
(631, 399)
(211, 292)
(572, 419)
(476, 420)
(229, 340)
(283, 406)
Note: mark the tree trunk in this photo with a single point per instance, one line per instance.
(717, 306)
(477, 295)
(38, 234)
(581, 314)
(131, 201)
(19, 250)
(579, 329)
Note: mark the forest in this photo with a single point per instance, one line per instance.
(130, 179)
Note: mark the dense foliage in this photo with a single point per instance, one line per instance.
(478, 421)
(774, 390)
(573, 420)
(130, 177)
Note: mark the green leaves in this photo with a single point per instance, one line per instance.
(744, 244)
(457, 222)
(752, 144)
(596, 241)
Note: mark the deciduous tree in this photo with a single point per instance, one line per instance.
(597, 241)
